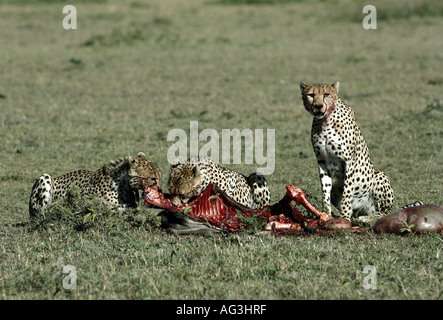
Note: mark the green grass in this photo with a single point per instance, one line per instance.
(130, 73)
(58, 2)
(256, 2)
(393, 10)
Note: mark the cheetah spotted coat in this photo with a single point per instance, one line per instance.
(190, 179)
(348, 178)
(116, 183)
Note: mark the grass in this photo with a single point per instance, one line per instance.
(76, 99)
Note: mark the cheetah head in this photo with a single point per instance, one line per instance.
(319, 98)
(143, 172)
(185, 182)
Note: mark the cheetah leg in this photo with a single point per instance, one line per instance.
(383, 193)
(41, 197)
(345, 204)
(326, 186)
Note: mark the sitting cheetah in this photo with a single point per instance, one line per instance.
(347, 175)
(116, 183)
(190, 179)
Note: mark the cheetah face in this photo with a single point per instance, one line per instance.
(319, 98)
(185, 183)
(143, 173)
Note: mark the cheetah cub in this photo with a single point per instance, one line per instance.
(348, 178)
(117, 183)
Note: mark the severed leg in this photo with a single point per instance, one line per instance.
(299, 196)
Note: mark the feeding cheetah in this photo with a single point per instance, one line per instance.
(117, 182)
(189, 179)
(348, 178)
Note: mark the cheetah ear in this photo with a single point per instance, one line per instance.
(141, 155)
(303, 86)
(336, 85)
(131, 159)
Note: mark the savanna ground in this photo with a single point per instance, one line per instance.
(133, 70)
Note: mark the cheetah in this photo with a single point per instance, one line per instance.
(189, 179)
(117, 183)
(348, 178)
